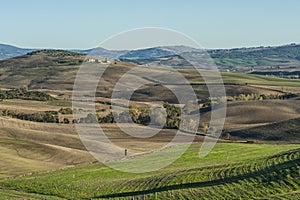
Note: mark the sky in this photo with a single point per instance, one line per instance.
(75, 24)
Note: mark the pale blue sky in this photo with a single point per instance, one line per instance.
(213, 24)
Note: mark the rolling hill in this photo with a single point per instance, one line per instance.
(223, 174)
(56, 70)
(286, 130)
(268, 60)
(104, 53)
(48, 160)
(9, 51)
(35, 68)
(257, 59)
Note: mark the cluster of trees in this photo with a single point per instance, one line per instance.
(137, 115)
(61, 57)
(173, 116)
(209, 102)
(23, 93)
(47, 116)
(247, 97)
(55, 53)
(170, 118)
(106, 119)
(65, 111)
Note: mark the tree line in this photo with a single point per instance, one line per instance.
(23, 93)
(170, 117)
(46, 116)
(139, 116)
(247, 97)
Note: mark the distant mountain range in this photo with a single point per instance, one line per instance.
(286, 57)
(8, 51)
(157, 52)
(105, 53)
(290, 51)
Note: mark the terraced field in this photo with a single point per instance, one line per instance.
(257, 171)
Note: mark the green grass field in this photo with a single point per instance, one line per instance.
(231, 170)
(12, 194)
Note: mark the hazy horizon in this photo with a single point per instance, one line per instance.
(82, 25)
(61, 48)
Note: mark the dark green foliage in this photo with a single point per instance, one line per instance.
(50, 117)
(173, 116)
(248, 97)
(66, 121)
(69, 62)
(65, 111)
(2, 95)
(23, 93)
(55, 53)
(107, 119)
(61, 56)
(134, 114)
(142, 116)
(47, 116)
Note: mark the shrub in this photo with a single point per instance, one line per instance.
(66, 121)
(65, 111)
(23, 93)
(107, 119)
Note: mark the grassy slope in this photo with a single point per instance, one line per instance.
(246, 114)
(40, 70)
(230, 174)
(13, 194)
(21, 156)
(31, 147)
